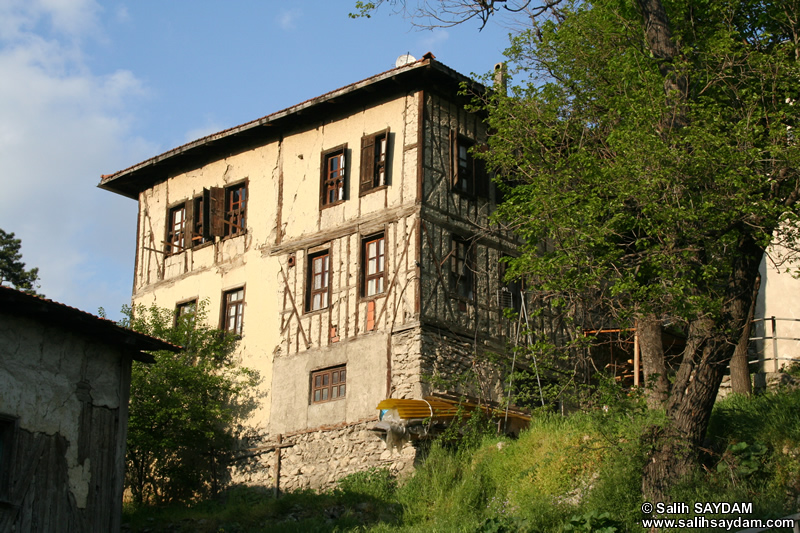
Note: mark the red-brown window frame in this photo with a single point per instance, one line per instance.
(374, 162)
(237, 306)
(333, 180)
(198, 221)
(380, 257)
(176, 233)
(182, 309)
(323, 388)
(324, 275)
(235, 209)
(468, 175)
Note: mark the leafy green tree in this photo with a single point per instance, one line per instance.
(12, 269)
(182, 407)
(655, 157)
(650, 160)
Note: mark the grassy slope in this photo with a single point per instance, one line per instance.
(583, 465)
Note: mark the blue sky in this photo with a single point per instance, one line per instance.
(89, 87)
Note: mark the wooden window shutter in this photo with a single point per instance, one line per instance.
(453, 158)
(188, 223)
(323, 176)
(367, 164)
(213, 212)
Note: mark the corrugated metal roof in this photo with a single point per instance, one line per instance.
(438, 408)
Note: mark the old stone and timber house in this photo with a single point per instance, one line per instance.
(346, 239)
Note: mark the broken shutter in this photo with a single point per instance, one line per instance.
(188, 224)
(213, 212)
(367, 181)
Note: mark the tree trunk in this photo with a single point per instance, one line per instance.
(740, 370)
(705, 358)
(651, 348)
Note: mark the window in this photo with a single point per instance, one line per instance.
(373, 254)
(510, 295)
(235, 209)
(220, 212)
(176, 229)
(319, 265)
(329, 384)
(333, 176)
(8, 430)
(374, 161)
(198, 219)
(185, 311)
(462, 270)
(468, 174)
(233, 311)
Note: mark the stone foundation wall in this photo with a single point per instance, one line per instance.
(450, 362)
(406, 364)
(317, 459)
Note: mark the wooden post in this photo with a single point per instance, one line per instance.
(277, 486)
(635, 355)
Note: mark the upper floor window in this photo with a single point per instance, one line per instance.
(176, 229)
(235, 209)
(510, 294)
(334, 171)
(318, 282)
(218, 212)
(233, 311)
(373, 253)
(374, 161)
(198, 221)
(468, 175)
(462, 270)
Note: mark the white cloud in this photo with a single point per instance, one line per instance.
(61, 126)
(70, 18)
(288, 18)
(433, 39)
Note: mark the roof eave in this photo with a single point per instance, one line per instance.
(118, 183)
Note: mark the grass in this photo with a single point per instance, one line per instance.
(576, 472)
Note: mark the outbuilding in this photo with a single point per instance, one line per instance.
(64, 388)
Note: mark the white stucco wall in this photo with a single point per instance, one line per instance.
(284, 172)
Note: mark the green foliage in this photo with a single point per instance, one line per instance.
(646, 203)
(376, 483)
(182, 406)
(742, 459)
(12, 269)
(577, 473)
(592, 522)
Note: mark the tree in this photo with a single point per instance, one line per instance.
(12, 269)
(182, 407)
(653, 161)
